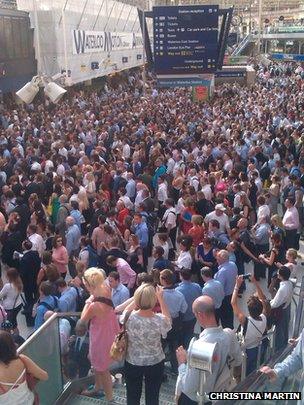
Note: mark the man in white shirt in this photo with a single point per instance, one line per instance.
(282, 300)
(36, 239)
(126, 150)
(162, 190)
(139, 195)
(291, 224)
(206, 189)
(169, 221)
(193, 179)
(221, 217)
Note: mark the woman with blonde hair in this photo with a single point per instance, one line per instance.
(99, 311)
(145, 356)
(274, 191)
(277, 226)
(83, 200)
(84, 204)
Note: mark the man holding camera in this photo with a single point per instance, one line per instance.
(229, 355)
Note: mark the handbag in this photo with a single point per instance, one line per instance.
(31, 382)
(119, 347)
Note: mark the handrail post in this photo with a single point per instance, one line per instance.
(244, 365)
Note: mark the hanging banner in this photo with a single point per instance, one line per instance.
(85, 42)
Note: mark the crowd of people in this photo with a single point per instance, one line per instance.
(138, 206)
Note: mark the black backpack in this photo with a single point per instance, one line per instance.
(80, 299)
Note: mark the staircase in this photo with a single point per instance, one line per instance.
(245, 47)
(119, 395)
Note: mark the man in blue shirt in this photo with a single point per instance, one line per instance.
(213, 289)
(47, 302)
(72, 236)
(76, 214)
(177, 306)
(131, 186)
(142, 232)
(68, 297)
(160, 262)
(226, 275)
(120, 293)
(190, 291)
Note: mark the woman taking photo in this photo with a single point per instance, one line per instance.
(13, 368)
(60, 256)
(99, 311)
(10, 296)
(277, 254)
(145, 356)
(253, 327)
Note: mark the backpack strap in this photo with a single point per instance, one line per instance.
(77, 291)
(104, 300)
(255, 326)
(47, 306)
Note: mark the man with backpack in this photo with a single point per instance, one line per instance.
(47, 302)
(63, 213)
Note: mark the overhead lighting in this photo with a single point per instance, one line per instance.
(51, 89)
(28, 92)
(54, 92)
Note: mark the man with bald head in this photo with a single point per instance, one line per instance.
(228, 352)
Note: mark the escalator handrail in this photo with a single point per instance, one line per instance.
(43, 327)
(257, 379)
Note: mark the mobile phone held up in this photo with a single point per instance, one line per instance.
(247, 277)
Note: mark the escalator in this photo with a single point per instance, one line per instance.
(48, 348)
(71, 394)
(245, 47)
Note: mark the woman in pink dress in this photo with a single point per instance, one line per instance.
(60, 256)
(104, 326)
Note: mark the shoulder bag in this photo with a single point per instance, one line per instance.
(119, 347)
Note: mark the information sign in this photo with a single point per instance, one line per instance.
(185, 39)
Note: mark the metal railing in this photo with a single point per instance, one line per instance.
(256, 380)
(46, 348)
(43, 328)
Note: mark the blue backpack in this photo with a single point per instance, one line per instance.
(94, 260)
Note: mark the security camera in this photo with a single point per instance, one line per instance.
(54, 92)
(28, 91)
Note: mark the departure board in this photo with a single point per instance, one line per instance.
(185, 39)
